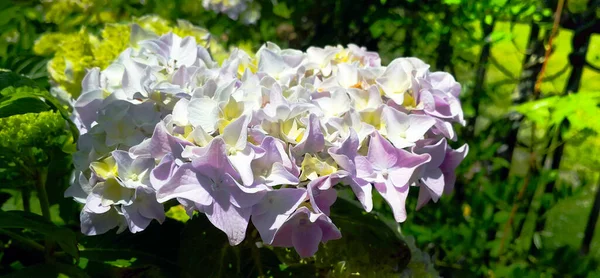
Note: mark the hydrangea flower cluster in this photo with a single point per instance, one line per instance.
(247, 11)
(267, 138)
(75, 52)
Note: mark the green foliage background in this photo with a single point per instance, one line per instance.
(524, 198)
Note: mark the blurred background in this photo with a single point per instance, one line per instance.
(527, 198)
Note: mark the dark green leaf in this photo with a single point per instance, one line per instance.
(22, 105)
(8, 78)
(49, 270)
(65, 238)
(156, 246)
(212, 255)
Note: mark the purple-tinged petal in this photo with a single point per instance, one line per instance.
(135, 220)
(147, 205)
(382, 154)
(437, 151)
(306, 239)
(93, 204)
(329, 231)
(362, 189)
(395, 197)
(163, 171)
(445, 82)
(244, 196)
(404, 171)
(345, 154)
(364, 169)
(280, 175)
(160, 144)
(424, 197)
(434, 181)
(123, 161)
(186, 184)
(444, 128)
(313, 140)
(231, 220)
(283, 235)
(321, 194)
(274, 209)
(95, 224)
(453, 158)
(304, 230)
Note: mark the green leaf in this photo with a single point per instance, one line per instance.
(501, 217)
(4, 197)
(529, 11)
(118, 257)
(56, 105)
(371, 243)
(21, 105)
(281, 9)
(516, 9)
(65, 238)
(537, 240)
(537, 111)
(488, 19)
(22, 100)
(210, 254)
(452, 2)
(498, 36)
(9, 78)
(157, 246)
(546, 12)
(178, 213)
(49, 270)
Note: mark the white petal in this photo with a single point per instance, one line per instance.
(204, 112)
(347, 75)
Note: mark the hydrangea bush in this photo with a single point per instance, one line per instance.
(266, 138)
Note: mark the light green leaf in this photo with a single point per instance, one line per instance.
(178, 213)
(452, 2)
(281, 9)
(488, 19)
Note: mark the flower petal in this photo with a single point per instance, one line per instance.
(186, 184)
(204, 112)
(270, 214)
(306, 240)
(231, 220)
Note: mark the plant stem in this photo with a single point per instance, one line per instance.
(25, 241)
(256, 253)
(513, 212)
(591, 224)
(45, 206)
(26, 195)
(557, 16)
(479, 87)
(532, 171)
(42, 193)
